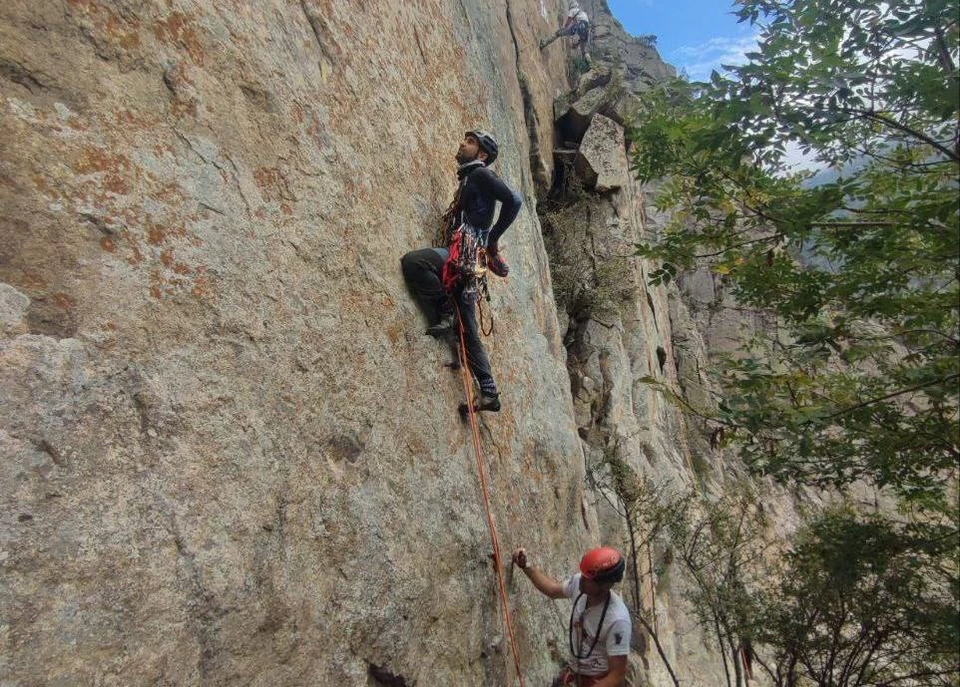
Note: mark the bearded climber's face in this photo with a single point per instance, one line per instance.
(470, 150)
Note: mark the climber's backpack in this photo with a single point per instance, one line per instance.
(583, 30)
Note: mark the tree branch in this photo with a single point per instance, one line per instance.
(942, 380)
(841, 225)
(894, 124)
(738, 245)
(943, 54)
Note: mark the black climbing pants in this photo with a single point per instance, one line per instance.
(422, 270)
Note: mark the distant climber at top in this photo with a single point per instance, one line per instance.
(599, 621)
(445, 279)
(576, 24)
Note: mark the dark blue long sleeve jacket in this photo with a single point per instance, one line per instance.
(479, 193)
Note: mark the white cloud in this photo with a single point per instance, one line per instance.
(699, 60)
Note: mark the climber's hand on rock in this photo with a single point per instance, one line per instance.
(520, 558)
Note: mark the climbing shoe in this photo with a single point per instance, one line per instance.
(497, 264)
(483, 401)
(442, 328)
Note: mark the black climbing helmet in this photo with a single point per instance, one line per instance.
(488, 144)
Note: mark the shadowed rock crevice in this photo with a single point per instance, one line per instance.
(200, 605)
(52, 316)
(19, 74)
(322, 35)
(382, 677)
(538, 164)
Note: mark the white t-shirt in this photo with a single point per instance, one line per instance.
(614, 634)
(577, 14)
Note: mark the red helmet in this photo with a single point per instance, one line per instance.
(602, 565)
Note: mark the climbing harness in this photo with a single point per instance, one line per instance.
(482, 469)
(466, 267)
(576, 654)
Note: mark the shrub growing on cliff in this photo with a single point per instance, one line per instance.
(584, 284)
(647, 512)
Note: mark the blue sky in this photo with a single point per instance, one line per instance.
(696, 35)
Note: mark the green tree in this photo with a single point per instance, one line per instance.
(721, 545)
(863, 600)
(852, 599)
(860, 272)
(859, 267)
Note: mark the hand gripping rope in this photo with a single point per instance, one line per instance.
(482, 469)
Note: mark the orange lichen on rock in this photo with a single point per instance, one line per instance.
(63, 301)
(155, 234)
(96, 160)
(201, 284)
(273, 183)
(178, 28)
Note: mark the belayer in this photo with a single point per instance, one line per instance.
(599, 628)
(576, 24)
(445, 279)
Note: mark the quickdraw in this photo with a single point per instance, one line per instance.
(448, 223)
(486, 331)
(466, 267)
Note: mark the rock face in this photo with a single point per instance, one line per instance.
(624, 338)
(639, 57)
(602, 160)
(229, 456)
(631, 346)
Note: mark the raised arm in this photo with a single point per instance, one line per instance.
(543, 582)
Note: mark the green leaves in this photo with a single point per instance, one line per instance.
(857, 587)
(860, 273)
(854, 383)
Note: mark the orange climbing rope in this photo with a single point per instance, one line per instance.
(482, 468)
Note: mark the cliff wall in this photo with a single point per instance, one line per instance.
(229, 455)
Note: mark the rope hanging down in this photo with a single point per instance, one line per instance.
(482, 469)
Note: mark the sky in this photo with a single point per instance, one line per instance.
(695, 35)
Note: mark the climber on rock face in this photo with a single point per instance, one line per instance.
(599, 622)
(444, 295)
(576, 24)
